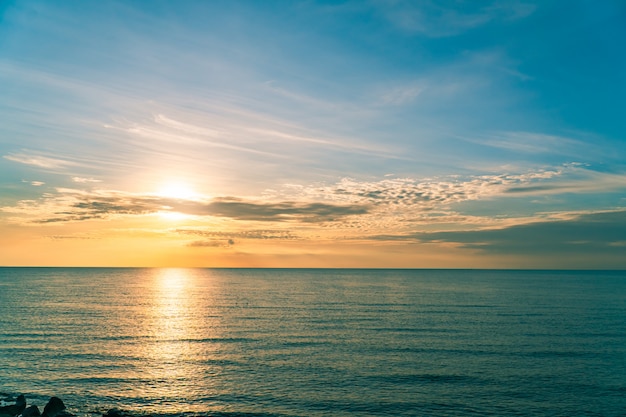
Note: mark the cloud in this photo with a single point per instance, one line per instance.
(239, 209)
(424, 194)
(70, 205)
(71, 237)
(346, 209)
(444, 191)
(454, 88)
(232, 132)
(234, 125)
(82, 180)
(38, 161)
(584, 234)
(122, 133)
(539, 143)
(260, 234)
(35, 183)
(435, 20)
(401, 95)
(575, 178)
(211, 243)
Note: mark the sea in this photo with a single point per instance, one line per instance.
(315, 342)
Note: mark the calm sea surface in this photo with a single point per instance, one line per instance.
(290, 342)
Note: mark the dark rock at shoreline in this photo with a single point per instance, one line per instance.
(54, 408)
(114, 412)
(31, 411)
(14, 409)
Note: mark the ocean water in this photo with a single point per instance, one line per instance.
(292, 342)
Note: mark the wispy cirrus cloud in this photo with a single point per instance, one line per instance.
(34, 183)
(211, 139)
(127, 134)
(82, 180)
(435, 20)
(486, 78)
(237, 125)
(39, 161)
(400, 95)
(533, 143)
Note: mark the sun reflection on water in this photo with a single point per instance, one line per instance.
(180, 332)
(173, 305)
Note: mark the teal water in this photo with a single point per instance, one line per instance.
(290, 342)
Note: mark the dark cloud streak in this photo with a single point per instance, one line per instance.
(588, 235)
(84, 206)
(276, 211)
(259, 234)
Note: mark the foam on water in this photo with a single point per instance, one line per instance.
(316, 342)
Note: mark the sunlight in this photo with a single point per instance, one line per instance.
(177, 310)
(172, 279)
(170, 325)
(178, 190)
(173, 215)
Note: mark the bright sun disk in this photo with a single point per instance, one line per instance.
(177, 190)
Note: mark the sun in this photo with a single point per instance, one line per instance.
(177, 190)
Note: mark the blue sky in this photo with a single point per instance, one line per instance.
(307, 133)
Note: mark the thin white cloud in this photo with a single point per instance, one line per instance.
(38, 161)
(255, 133)
(187, 127)
(436, 20)
(529, 142)
(327, 105)
(34, 183)
(82, 180)
(401, 95)
(473, 76)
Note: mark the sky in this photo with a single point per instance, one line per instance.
(365, 133)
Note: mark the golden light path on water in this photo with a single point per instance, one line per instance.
(183, 337)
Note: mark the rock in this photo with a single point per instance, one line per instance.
(54, 407)
(14, 409)
(21, 401)
(31, 411)
(113, 412)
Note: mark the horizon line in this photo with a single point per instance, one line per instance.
(318, 268)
